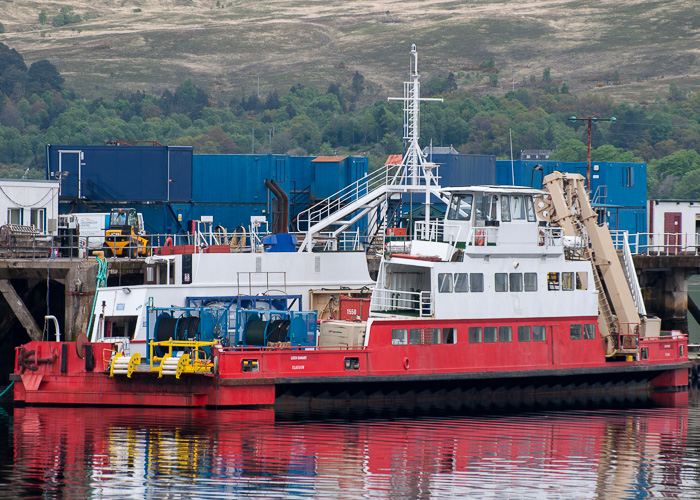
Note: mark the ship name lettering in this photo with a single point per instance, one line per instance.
(297, 367)
(298, 357)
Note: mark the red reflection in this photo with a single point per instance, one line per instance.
(80, 450)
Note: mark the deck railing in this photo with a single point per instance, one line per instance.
(399, 302)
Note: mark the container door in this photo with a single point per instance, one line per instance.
(69, 172)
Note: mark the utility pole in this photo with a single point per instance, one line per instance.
(590, 120)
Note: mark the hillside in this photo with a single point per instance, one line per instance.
(628, 49)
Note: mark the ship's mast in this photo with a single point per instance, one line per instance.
(414, 164)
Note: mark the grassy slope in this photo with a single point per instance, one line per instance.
(650, 43)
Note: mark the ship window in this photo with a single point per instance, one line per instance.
(530, 282)
(539, 333)
(449, 336)
(485, 207)
(120, 326)
(445, 282)
(505, 208)
(505, 334)
(501, 282)
(490, 334)
(530, 207)
(476, 282)
(517, 208)
(415, 336)
(516, 282)
(582, 280)
(461, 282)
(589, 331)
(575, 332)
(524, 334)
(567, 281)
(460, 207)
(553, 281)
(399, 336)
(432, 336)
(475, 335)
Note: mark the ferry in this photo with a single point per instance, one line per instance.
(514, 290)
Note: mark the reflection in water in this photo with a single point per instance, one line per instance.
(178, 453)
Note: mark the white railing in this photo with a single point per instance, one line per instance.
(621, 242)
(435, 231)
(660, 243)
(401, 302)
(345, 196)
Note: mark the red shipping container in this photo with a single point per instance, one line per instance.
(354, 308)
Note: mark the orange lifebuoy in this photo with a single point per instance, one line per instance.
(169, 242)
(480, 237)
(541, 241)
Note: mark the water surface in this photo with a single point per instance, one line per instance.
(613, 449)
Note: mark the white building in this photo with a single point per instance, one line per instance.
(28, 202)
(674, 225)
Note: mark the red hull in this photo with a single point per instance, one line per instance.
(68, 380)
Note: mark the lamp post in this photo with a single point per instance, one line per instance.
(590, 120)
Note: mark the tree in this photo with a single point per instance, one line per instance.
(2, 28)
(493, 79)
(451, 84)
(43, 16)
(546, 76)
(42, 75)
(357, 85)
(570, 150)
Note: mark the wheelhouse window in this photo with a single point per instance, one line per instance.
(516, 282)
(530, 281)
(505, 208)
(476, 282)
(576, 332)
(553, 281)
(505, 334)
(445, 282)
(485, 207)
(475, 335)
(490, 334)
(589, 331)
(399, 336)
(501, 282)
(461, 282)
(460, 207)
(539, 333)
(524, 334)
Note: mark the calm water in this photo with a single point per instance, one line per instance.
(607, 450)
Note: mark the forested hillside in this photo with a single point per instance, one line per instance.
(36, 108)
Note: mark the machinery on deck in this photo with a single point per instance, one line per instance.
(126, 234)
(622, 319)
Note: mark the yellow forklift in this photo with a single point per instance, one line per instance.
(126, 235)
